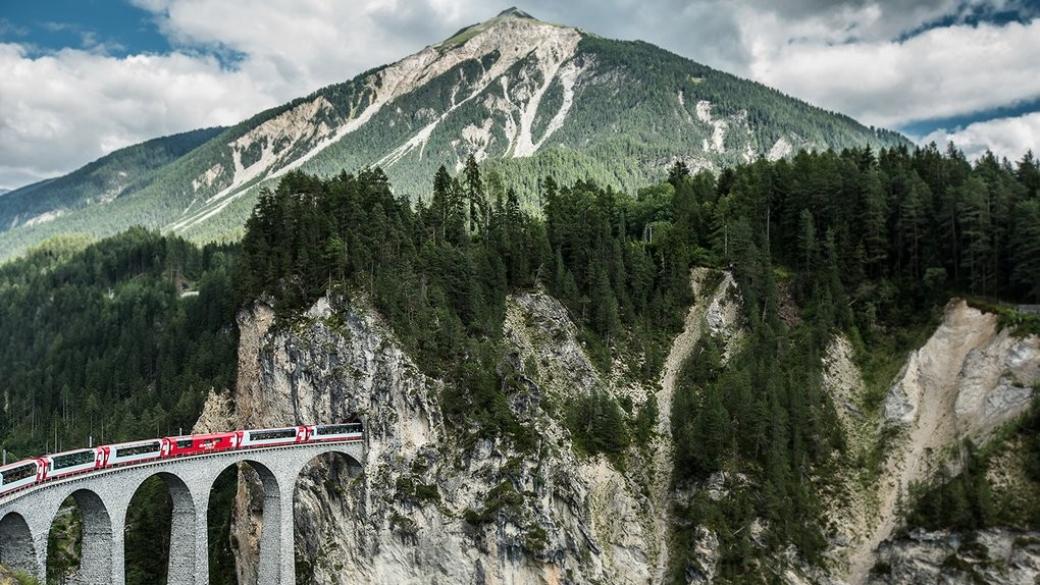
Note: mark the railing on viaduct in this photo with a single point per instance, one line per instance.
(103, 498)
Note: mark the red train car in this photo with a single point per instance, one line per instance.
(30, 472)
(199, 444)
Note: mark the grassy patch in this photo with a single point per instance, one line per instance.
(881, 359)
(503, 498)
(1022, 324)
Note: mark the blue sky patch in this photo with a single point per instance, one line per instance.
(114, 27)
(973, 15)
(922, 128)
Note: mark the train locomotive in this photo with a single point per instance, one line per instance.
(30, 472)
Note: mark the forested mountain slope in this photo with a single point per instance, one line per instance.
(113, 341)
(769, 459)
(116, 175)
(524, 97)
(514, 368)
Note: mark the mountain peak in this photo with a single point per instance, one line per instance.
(514, 12)
(527, 96)
(509, 17)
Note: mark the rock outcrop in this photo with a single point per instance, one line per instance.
(988, 557)
(425, 507)
(983, 376)
(967, 380)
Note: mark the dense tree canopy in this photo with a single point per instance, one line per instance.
(119, 341)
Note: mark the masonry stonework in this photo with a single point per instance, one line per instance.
(104, 499)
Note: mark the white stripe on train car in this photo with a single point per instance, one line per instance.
(7, 486)
(351, 433)
(254, 438)
(54, 460)
(114, 458)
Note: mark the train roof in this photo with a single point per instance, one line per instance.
(133, 443)
(285, 428)
(17, 464)
(201, 436)
(70, 452)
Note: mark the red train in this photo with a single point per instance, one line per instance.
(30, 472)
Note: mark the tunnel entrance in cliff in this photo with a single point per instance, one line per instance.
(327, 495)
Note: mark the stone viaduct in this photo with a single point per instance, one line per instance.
(104, 497)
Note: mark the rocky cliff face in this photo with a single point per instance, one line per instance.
(408, 518)
(428, 507)
(989, 557)
(969, 378)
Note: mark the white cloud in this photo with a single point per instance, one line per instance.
(1006, 137)
(292, 47)
(939, 73)
(60, 111)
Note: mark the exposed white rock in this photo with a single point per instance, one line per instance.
(930, 375)
(568, 76)
(207, 178)
(719, 127)
(47, 216)
(848, 506)
(968, 379)
(706, 556)
(749, 151)
(477, 139)
(553, 68)
(715, 311)
(842, 380)
(218, 413)
(109, 195)
(275, 138)
(995, 383)
(780, 149)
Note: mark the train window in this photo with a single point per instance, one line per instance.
(338, 429)
(18, 473)
(73, 459)
(272, 434)
(138, 449)
(185, 443)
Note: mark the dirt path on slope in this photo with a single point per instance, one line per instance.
(663, 450)
(931, 374)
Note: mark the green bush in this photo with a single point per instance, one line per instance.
(597, 424)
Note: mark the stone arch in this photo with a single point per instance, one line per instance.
(271, 505)
(95, 562)
(16, 544)
(317, 491)
(184, 526)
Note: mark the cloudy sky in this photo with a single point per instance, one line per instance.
(80, 78)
